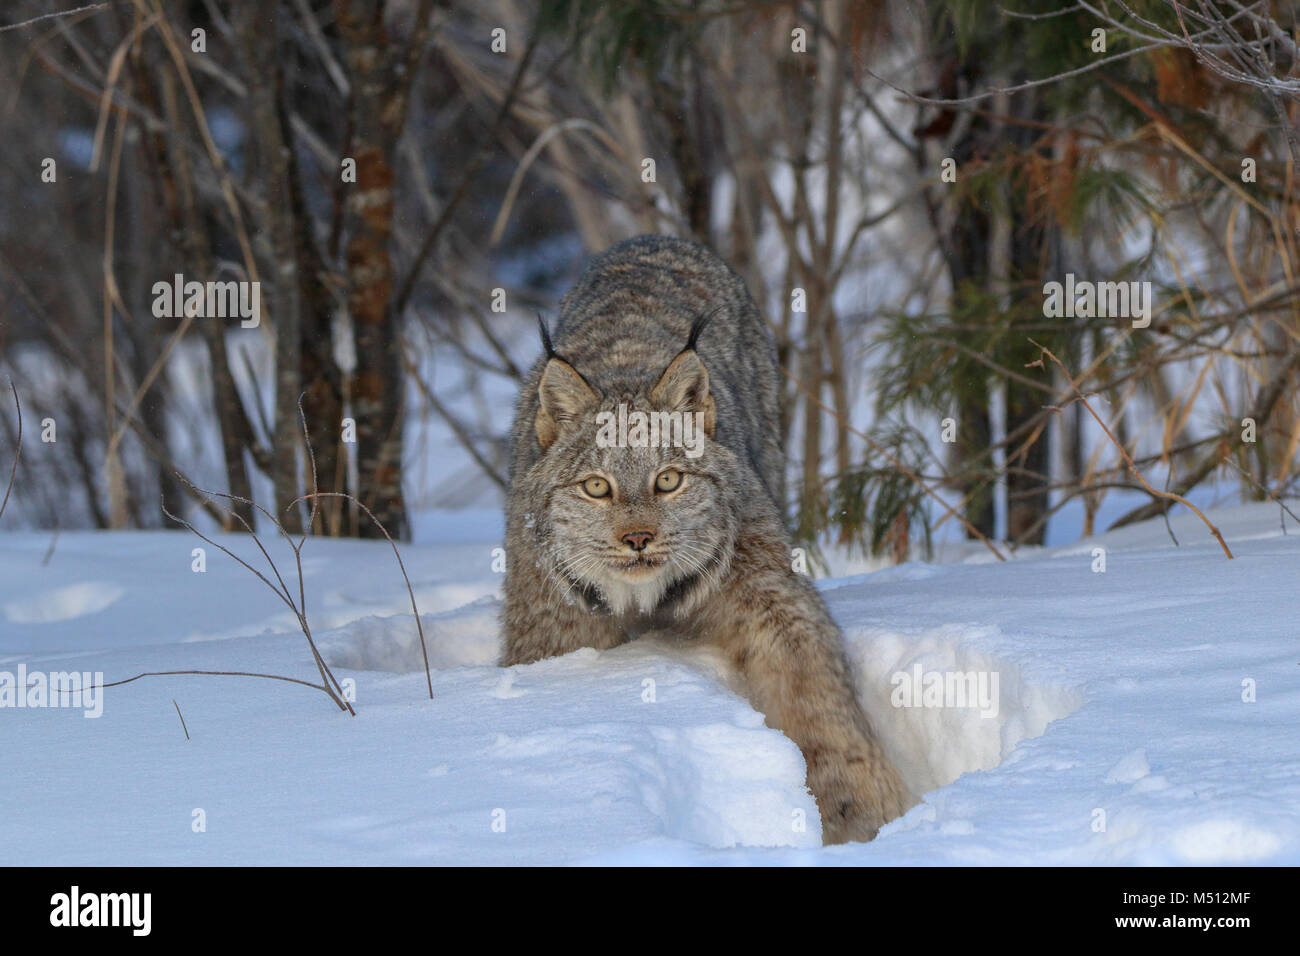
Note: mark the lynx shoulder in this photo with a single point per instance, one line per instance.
(647, 491)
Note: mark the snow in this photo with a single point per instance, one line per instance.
(1146, 714)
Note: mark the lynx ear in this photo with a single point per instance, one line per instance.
(563, 393)
(684, 387)
(564, 396)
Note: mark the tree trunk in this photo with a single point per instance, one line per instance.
(378, 113)
(1028, 481)
(257, 28)
(321, 377)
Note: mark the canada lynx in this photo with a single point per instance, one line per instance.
(613, 531)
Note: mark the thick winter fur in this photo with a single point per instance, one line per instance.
(708, 559)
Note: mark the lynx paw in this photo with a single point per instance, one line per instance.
(856, 794)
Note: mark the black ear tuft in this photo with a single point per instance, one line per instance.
(546, 337)
(698, 326)
(551, 354)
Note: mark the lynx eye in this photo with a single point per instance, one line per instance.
(668, 480)
(596, 487)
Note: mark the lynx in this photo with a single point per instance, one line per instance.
(608, 540)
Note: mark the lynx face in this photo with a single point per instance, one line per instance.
(633, 514)
(632, 522)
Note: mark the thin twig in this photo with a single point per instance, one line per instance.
(18, 450)
(428, 676)
(1169, 476)
(50, 16)
(128, 680)
(1122, 450)
(975, 532)
(407, 286)
(54, 539)
(1264, 488)
(178, 714)
(327, 676)
(291, 680)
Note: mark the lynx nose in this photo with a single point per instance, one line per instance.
(637, 540)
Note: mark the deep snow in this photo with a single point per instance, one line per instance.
(1120, 736)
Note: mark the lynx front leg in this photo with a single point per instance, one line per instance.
(535, 632)
(539, 623)
(779, 635)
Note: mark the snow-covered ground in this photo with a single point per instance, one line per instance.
(1146, 714)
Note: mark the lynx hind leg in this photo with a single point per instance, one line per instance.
(790, 654)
